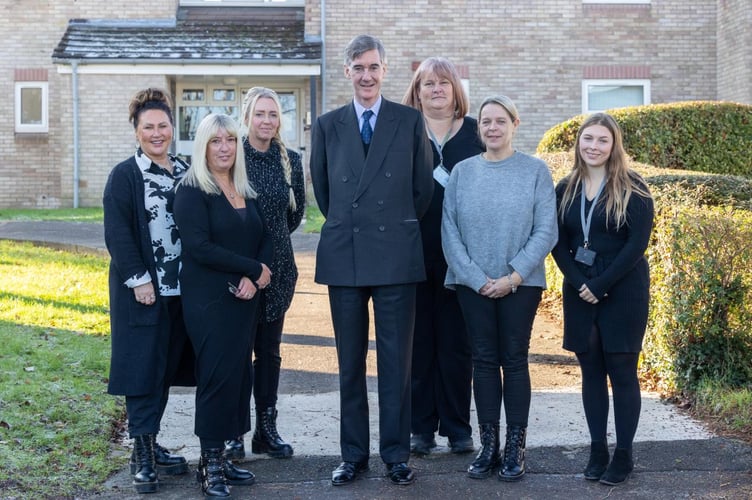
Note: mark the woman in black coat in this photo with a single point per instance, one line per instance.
(602, 241)
(224, 250)
(149, 342)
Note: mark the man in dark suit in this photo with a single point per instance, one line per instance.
(371, 167)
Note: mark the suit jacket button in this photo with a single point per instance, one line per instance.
(344, 178)
(380, 202)
(356, 230)
(355, 205)
(382, 228)
(388, 174)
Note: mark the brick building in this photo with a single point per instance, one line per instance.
(69, 68)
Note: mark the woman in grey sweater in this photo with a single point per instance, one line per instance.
(498, 225)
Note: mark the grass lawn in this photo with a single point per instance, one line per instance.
(66, 214)
(56, 420)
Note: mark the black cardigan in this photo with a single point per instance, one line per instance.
(619, 278)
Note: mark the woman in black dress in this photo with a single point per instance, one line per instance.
(442, 364)
(224, 250)
(276, 173)
(603, 236)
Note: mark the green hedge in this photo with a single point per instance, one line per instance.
(706, 136)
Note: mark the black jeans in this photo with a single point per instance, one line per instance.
(500, 337)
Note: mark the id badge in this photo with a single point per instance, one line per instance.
(585, 256)
(441, 175)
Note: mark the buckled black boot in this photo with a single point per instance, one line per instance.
(145, 478)
(266, 438)
(488, 457)
(167, 463)
(513, 464)
(211, 474)
(597, 462)
(619, 469)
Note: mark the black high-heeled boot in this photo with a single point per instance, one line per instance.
(145, 479)
(266, 439)
(597, 462)
(488, 457)
(167, 463)
(513, 463)
(211, 473)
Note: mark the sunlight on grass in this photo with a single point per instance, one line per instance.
(56, 418)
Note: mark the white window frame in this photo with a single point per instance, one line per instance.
(586, 84)
(619, 1)
(32, 128)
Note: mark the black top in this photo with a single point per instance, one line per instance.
(464, 144)
(619, 277)
(268, 179)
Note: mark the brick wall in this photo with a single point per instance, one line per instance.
(36, 170)
(534, 52)
(735, 50)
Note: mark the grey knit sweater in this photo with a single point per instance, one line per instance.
(498, 217)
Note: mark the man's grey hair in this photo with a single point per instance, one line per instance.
(361, 44)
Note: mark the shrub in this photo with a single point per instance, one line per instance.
(700, 325)
(707, 136)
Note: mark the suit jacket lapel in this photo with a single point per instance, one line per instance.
(386, 127)
(349, 134)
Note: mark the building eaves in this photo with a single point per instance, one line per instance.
(187, 41)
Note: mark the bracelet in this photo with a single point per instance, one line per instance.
(511, 283)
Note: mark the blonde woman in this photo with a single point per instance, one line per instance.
(277, 175)
(605, 220)
(224, 253)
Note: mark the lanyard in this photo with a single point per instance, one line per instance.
(440, 145)
(586, 222)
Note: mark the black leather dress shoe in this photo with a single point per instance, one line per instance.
(347, 472)
(400, 473)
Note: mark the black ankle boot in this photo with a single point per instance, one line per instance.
(145, 478)
(619, 469)
(513, 464)
(598, 461)
(236, 475)
(167, 463)
(235, 449)
(266, 438)
(488, 457)
(211, 473)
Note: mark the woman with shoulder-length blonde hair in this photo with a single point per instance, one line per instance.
(605, 220)
(498, 226)
(441, 372)
(225, 248)
(277, 174)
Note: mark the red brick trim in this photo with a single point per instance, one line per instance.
(30, 75)
(616, 72)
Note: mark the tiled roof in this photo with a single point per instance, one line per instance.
(241, 36)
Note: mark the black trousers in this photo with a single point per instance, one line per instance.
(267, 362)
(442, 363)
(500, 337)
(394, 318)
(145, 411)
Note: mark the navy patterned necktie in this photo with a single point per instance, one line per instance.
(366, 132)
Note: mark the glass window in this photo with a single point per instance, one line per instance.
(193, 95)
(31, 107)
(191, 116)
(223, 94)
(599, 95)
(617, 1)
